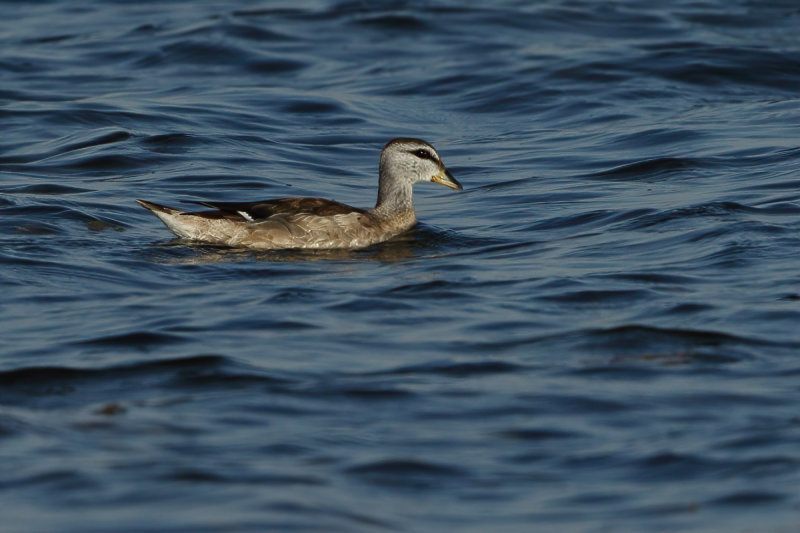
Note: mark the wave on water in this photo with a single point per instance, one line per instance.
(598, 333)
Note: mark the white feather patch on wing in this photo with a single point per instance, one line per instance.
(246, 216)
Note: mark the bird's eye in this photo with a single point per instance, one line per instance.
(423, 154)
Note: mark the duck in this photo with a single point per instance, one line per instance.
(317, 223)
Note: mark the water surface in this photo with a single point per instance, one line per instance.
(600, 333)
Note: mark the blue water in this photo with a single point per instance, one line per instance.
(601, 333)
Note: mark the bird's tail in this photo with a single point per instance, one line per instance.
(158, 208)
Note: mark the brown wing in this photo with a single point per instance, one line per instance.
(267, 208)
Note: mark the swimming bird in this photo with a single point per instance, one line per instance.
(317, 223)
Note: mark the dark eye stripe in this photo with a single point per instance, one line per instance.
(422, 154)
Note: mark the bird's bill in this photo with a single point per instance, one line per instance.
(445, 178)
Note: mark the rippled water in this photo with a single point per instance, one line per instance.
(600, 333)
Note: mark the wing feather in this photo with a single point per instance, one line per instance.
(255, 211)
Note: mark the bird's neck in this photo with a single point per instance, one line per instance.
(394, 196)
